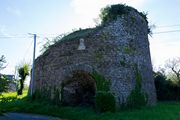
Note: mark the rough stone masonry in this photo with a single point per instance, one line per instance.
(112, 49)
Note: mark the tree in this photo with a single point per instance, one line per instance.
(3, 79)
(3, 84)
(161, 84)
(23, 71)
(165, 87)
(2, 61)
(174, 66)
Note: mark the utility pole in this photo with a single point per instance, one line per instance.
(33, 66)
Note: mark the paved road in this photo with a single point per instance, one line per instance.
(22, 116)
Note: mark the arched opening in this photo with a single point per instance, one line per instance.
(79, 89)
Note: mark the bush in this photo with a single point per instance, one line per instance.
(137, 98)
(105, 101)
(165, 88)
(112, 12)
(4, 84)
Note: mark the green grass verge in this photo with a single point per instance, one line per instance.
(11, 96)
(14, 94)
(162, 111)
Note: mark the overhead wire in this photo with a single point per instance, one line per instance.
(11, 37)
(170, 31)
(165, 26)
(54, 35)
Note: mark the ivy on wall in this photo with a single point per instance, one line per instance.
(137, 98)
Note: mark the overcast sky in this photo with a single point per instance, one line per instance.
(49, 18)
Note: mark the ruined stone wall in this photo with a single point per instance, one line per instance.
(113, 50)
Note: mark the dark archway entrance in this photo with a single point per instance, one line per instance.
(79, 89)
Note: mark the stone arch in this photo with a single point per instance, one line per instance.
(78, 89)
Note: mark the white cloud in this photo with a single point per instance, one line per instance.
(14, 11)
(3, 31)
(92, 7)
(88, 10)
(162, 49)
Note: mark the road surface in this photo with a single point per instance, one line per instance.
(23, 116)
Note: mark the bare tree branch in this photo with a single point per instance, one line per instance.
(2, 61)
(174, 66)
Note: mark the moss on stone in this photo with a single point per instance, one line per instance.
(122, 62)
(98, 56)
(128, 50)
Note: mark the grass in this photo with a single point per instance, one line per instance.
(162, 111)
(14, 94)
(11, 97)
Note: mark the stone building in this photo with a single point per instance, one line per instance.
(112, 49)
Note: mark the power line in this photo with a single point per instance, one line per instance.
(171, 31)
(12, 37)
(164, 26)
(51, 35)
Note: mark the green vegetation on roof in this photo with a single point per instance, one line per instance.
(78, 34)
(107, 14)
(81, 33)
(112, 12)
